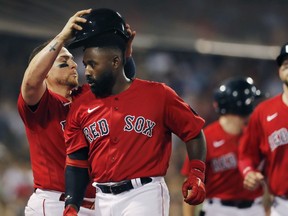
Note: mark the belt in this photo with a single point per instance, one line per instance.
(85, 203)
(236, 203)
(123, 186)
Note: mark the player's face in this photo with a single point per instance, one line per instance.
(64, 70)
(99, 71)
(283, 72)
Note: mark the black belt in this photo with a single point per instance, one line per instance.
(122, 186)
(236, 203)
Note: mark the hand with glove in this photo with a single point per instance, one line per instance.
(70, 210)
(193, 188)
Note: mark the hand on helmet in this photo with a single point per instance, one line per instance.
(129, 43)
(73, 24)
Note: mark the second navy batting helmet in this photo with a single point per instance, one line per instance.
(236, 96)
(100, 21)
(283, 54)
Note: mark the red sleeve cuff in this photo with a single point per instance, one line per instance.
(245, 167)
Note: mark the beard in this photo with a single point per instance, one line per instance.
(71, 82)
(102, 85)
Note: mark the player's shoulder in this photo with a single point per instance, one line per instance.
(269, 103)
(80, 90)
(150, 85)
(83, 96)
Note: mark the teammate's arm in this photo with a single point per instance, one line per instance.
(249, 155)
(193, 188)
(42, 59)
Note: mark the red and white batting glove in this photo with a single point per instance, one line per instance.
(195, 183)
(70, 211)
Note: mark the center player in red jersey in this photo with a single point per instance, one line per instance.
(46, 94)
(233, 101)
(122, 129)
(267, 138)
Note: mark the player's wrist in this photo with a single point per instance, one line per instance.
(60, 39)
(245, 166)
(197, 168)
(247, 170)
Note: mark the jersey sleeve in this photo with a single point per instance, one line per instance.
(74, 138)
(249, 150)
(180, 118)
(36, 117)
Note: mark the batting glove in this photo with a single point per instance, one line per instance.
(195, 183)
(70, 211)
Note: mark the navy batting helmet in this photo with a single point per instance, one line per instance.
(100, 21)
(236, 96)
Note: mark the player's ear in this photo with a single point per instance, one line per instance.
(116, 62)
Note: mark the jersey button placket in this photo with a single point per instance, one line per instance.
(114, 139)
(115, 103)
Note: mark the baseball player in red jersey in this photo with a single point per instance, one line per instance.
(266, 138)
(225, 195)
(43, 104)
(122, 131)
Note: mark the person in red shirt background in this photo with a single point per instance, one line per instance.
(266, 138)
(49, 86)
(225, 196)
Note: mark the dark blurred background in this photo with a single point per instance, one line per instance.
(190, 45)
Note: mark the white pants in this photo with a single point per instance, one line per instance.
(46, 203)
(151, 199)
(279, 207)
(217, 209)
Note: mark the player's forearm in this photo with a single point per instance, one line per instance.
(76, 177)
(130, 68)
(42, 62)
(33, 85)
(196, 147)
(76, 181)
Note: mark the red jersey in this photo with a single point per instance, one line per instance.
(129, 134)
(223, 179)
(266, 138)
(44, 128)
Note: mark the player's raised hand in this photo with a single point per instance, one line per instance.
(253, 180)
(73, 24)
(132, 34)
(193, 188)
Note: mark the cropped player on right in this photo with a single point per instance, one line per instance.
(225, 196)
(267, 138)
